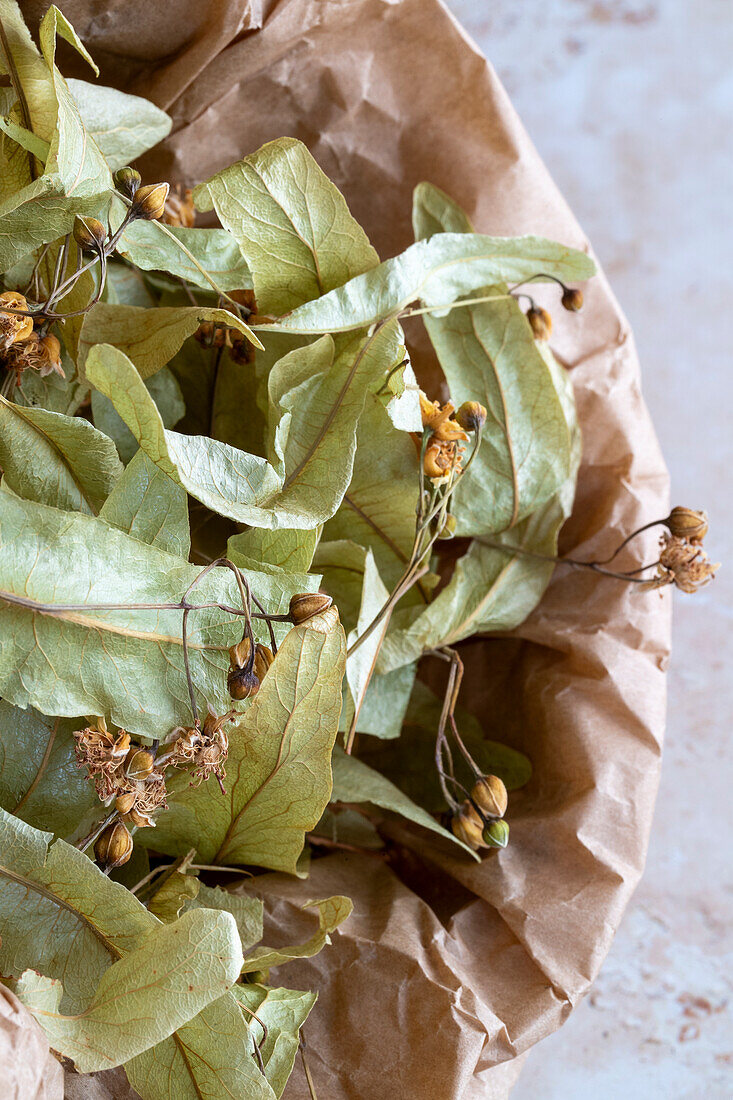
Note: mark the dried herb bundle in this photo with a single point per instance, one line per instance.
(214, 454)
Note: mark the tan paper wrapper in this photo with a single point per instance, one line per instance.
(445, 975)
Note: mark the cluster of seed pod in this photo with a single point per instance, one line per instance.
(479, 821)
(540, 320)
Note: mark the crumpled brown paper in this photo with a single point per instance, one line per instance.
(446, 974)
(28, 1070)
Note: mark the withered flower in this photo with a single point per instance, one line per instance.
(440, 458)
(686, 523)
(38, 353)
(439, 420)
(102, 754)
(14, 328)
(682, 563)
(179, 208)
(204, 750)
(540, 322)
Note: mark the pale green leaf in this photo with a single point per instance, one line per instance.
(141, 999)
(123, 126)
(211, 1057)
(171, 896)
(55, 459)
(247, 911)
(40, 780)
(153, 248)
(21, 61)
(25, 138)
(355, 782)
(318, 393)
(488, 354)
(283, 1012)
(60, 915)
(291, 222)
(331, 913)
(166, 395)
(278, 772)
(435, 271)
(150, 507)
(378, 509)
(435, 212)
(126, 664)
(148, 337)
(384, 704)
(291, 550)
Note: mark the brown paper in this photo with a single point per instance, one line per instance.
(448, 970)
(28, 1070)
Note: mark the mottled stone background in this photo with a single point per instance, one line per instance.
(631, 106)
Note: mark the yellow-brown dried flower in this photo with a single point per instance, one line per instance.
(39, 353)
(102, 753)
(682, 563)
(14, 328)
(439, 420)
(179, 208)
(440, 458)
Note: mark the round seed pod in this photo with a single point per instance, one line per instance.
(304, 605)
(89, 233)
(686, 523)
(572, 299)
(242, 683)
(471, 416)
(139, 764)
(113, 847)
(490, 795)
(149, 201)
(127, 181)
(496, 834)
(540, 322)
(124, 802)
(263, 659)
(468, 826)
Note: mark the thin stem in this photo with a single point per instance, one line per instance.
(263, 1040)
(455, 304)
(306, 1070)
(593, 566)
(87, 841)
(187, 667)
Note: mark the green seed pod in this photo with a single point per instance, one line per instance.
(127, 181)
(496, 834)
(448, 529)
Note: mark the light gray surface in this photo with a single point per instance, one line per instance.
(630, 103)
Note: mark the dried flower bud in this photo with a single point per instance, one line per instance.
(50, 352)
(686, 523)
(448, 529)
(149, 201)
(572, 299)
(89, 233)
(305, 605)
(468, 826)
(113, 847)
(127, 181)
(471, 416)
(14, 329)
(540, 322)
(242, 683)
(263, 659)
(125, 802)
(496, 834)
(139, 764)
(490, 795)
